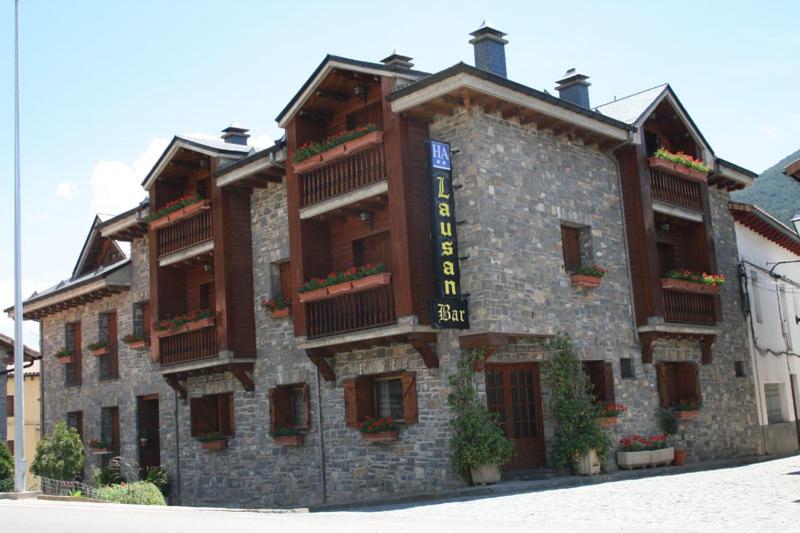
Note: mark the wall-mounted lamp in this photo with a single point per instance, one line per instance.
(360, 91)
(663, 226)
(367, 218)
(208, 267)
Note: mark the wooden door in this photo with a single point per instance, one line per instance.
(513, 392)
(148, 439)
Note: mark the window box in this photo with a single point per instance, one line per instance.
(65, 359)
(316, 294)
(582, 280)
(656, 163)
(340, 288)
(141, 344)
(370, 282)
(587, 465)
(99, 451)
(688, 286)
(189, 326)
(338, 152)
(280, 313)
(485, 475)
(289, 440)
(180, 214)
(630, 460)
(607, 421)
(382, 436)
(687, 414)
(216, 444)
(101, 351)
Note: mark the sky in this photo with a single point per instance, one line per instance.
(105, 85)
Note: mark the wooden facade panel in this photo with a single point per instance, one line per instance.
(345, 232)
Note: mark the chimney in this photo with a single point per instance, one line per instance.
(574, 88)
(489, 47)
(398, 60)
(235, 134)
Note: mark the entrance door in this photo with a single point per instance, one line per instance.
(147, 427)
(514, 393)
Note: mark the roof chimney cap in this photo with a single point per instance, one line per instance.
(488, 31)
(571, 77)
(235, 134)
(397, 60)
(488, 46)
(574, 88)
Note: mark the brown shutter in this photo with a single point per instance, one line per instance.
(698, 396)
(285, 279)
(307, 405)
(608, 378)
(280, 407)
(350, 404)
(409, 381)
(365, 403)
(195, 408)
(147, 323)
(272, 414)
(662, 379)
(225, 403)
(571, 248)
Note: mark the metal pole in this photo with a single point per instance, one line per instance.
(19, 343)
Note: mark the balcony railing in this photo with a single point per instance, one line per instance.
(343, 176)
(189, 346)
(351, 312)
(689, 308)
(675, 190)
(186, 233)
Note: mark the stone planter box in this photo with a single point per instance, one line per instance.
(382, 436)
(100, 351)
(189, 326)
(671, 167)
(340, 288)
(137, 345)
(681, 285)
(338, 152)
(607, 421)
(582, 280)
(687, 415)
(370, 282)
(630, 460)
(65, 360)
(316, 294)
(219, 444)
(280, 313)
(485, 475)
(180, 214)
(587, 465)
(289, 440)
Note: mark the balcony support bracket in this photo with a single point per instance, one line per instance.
(240, 373)
(174, 382)
(319, 356)
(422, 344)
(707, 347)
(648, 341)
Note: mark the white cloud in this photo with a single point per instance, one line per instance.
(770, 131)
(116, 185)
(67, 190)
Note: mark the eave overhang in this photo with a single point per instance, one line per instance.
(766, 225)
(255, 171)
(793, 170)
(126, 226)
(726, 175)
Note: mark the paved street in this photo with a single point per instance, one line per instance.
(759, 497)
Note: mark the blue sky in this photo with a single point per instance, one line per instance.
(106, 84)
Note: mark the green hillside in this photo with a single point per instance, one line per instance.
(774, 192)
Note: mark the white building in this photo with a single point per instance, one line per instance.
(771, 295)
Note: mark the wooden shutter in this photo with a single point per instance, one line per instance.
(409, 381)
(688, 382)
(147, 322)
(115, 430)
(284, 270)
(608, 379)
(571, 248)
(9, 406)
(307, 405)
(698, 397)
(365, 398)
(350, 404)
(662, 378)
(280, 408)
(225, 406)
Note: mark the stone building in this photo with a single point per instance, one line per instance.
(536, 187)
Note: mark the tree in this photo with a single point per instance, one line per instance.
(6, 468)
(59, 456)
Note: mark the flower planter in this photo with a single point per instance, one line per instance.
(143, 443)
(671, 167)
(340, 288)
(680, 457)
(662, 457)
(289, 440)
(630, 460)
(280, 313)
(316, 294)
(180, 214)
(189, 326)
(485, 474)
(582, 280)
(99, 451)
(382, 436)
(687, 415)
(588, 464)
(67, 359)
(369, 282)
(100, 351)
(219, 444)
(137, 345)
(607, 421)
(338, 152)
(688, 286)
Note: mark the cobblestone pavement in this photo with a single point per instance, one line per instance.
(755, 498)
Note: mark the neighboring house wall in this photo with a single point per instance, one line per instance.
(774, 337)
(32, 420)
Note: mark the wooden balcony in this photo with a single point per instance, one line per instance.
(689, 308)
(188, 232)
(188, 346)
(676, 190)
(351, 312)
(343, 176)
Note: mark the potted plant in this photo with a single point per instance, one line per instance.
(679, 163)
(134, 342)
(687, 281)
(191, 321)
(278, 307)
(144, 439)
(687, 410)
(177, 209)
(98, 447)
(588, 276)
(608, 413)
(313, 289)
(313, 154)
(379, 430)
(480, 447)
(339, 282)
(370, 276)
(99, 348)
(213, 441)
(639, 451)
(65, 355)
(288, 437)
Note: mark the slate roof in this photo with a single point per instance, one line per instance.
(629, 108)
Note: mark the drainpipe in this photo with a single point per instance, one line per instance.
(323, 486)
(177, 448)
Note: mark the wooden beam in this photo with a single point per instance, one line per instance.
(320, 360)
(422, 344)
(707, 348)
(648, 341)
(172, 381)
(240, 373)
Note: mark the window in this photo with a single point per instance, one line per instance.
(756, 291)
(289, 407)
(206, 295)
(108, 365)
(281, 278)
(570, 244)
(601, 378)
(678, 383)
(9, 406)
(72, 341)
(773, 395)
(379, 396)
(626, 368)
(109, 432)
(212, 414)
(75, 420)
(738, 369)
(10, 445)
(141, 319)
